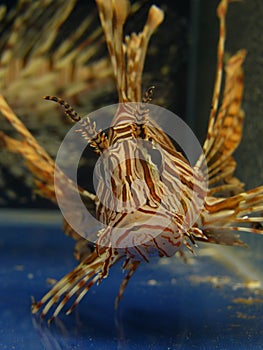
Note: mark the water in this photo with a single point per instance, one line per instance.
(168, 304)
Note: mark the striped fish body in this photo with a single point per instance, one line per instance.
(147, 195)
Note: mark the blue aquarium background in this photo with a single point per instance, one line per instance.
(212, 302)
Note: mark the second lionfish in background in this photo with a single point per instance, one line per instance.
(227, 207)
(57, 47)
(43, 48)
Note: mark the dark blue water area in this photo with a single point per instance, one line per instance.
(161, 308)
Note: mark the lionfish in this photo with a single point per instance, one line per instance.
(226, 207)
(43, 47)
(33, 41)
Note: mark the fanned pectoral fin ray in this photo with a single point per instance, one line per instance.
(76, 283)
(236, 214)
(227, 131)
(225, 123)
(37, 160)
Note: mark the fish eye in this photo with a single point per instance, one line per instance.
(104, 173)
(156, 157)
(102, 170)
